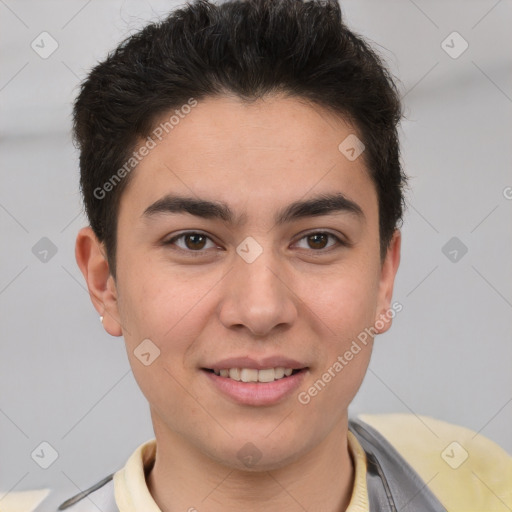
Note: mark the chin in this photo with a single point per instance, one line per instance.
(259, 454)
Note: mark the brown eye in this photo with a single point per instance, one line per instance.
(319, 240)
(191, 242)
(195, 241)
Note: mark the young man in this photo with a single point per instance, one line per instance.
(240, 171)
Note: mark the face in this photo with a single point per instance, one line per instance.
(249, 280)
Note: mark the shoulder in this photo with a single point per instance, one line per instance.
(465, 470)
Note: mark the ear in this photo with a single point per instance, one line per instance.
(389, 268)
(91, 258)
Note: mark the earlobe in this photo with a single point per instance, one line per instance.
(389, 269)
(92, 261)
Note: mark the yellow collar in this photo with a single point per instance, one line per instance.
(132, 494)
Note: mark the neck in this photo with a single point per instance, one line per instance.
(184, 479)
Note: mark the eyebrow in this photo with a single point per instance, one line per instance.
(323, 204)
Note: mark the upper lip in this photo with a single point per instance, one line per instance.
(257, 364)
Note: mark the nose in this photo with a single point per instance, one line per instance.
(258, 296)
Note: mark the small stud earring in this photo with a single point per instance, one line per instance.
(101, 319)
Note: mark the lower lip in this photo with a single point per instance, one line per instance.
(257, 393)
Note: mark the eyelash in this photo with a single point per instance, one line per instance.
(200, 252)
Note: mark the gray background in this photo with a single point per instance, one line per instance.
(448, 355)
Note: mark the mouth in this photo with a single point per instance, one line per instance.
(256, 387)
(254, 375)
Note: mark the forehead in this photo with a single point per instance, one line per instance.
(251, 153)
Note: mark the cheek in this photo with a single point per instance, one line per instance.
(345, 302)
(346, 345)
(168, 313)
(347, 310)
(336, 386)
(156, 303)
(171, 312)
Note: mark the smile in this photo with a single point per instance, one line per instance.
(250, 386)
(254, 375)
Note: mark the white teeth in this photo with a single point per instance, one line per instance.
(266, 375)
(249, 375)
(253, 375)
(234, 373)
(279, 372)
